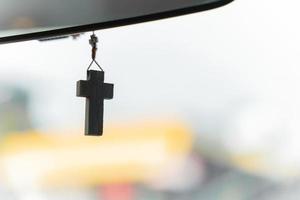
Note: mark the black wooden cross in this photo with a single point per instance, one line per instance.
(95, 91)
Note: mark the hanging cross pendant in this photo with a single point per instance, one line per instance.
(95, 91)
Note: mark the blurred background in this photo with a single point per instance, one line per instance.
(206, 106)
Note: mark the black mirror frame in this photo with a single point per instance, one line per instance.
(111, 24)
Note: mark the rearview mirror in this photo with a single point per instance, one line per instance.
(38, 19)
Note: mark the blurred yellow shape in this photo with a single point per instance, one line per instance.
(266, 166)
(126, 153)
(248, 162)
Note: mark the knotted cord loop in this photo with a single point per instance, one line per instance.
(93, 42)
